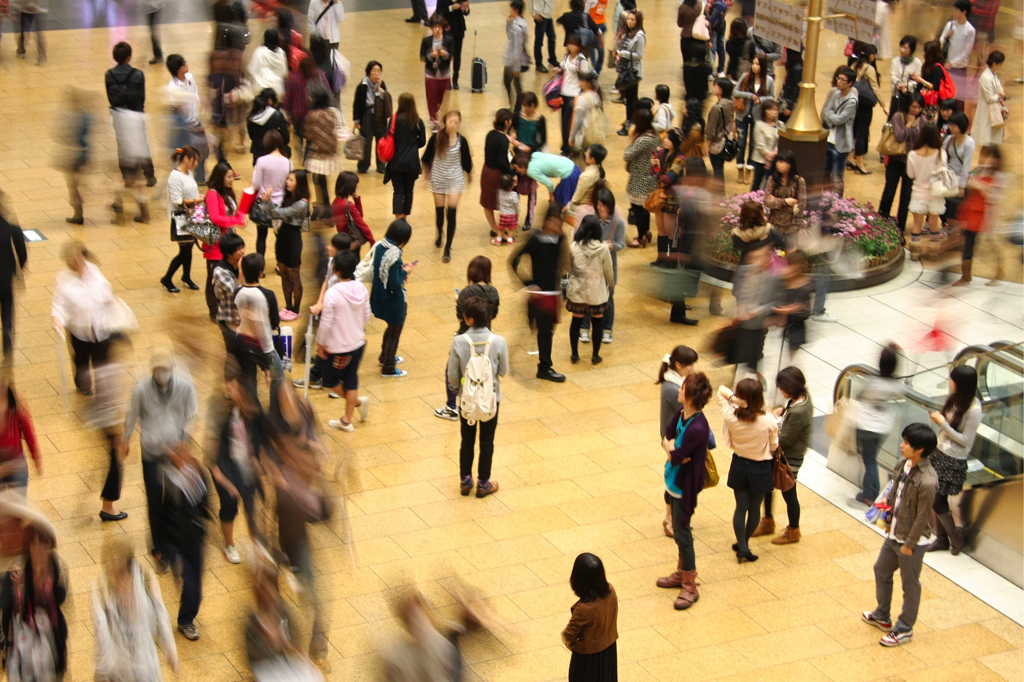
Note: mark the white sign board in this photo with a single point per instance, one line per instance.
(862, 27)
(779, 22)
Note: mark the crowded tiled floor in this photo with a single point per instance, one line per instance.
(578, 463)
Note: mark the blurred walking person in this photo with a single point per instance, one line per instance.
(152, 9)
(126, 94)
(104, 413)
(30, 17)
(126, 617)
(16, 427)
(10, 260)
(81, 306)
(164, 407)
(186, 128)
(81, 120)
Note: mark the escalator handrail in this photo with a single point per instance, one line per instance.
(996, 354)
(908, 392)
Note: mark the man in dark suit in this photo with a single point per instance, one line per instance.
(419, 12)
(11, 235)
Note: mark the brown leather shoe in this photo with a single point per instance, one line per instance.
(668, 528)
(674, 580)
(788, 536)
(688, 595)
(766, 527)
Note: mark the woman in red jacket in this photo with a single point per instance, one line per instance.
(15, 426)
(222, 208)
(347, 202)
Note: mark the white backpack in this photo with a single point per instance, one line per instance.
(477, 402)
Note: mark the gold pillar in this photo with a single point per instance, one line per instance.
(804, 124)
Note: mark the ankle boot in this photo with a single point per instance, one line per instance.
(788, 536)
(143, 216)
(688, 595)
(965, 274)
(674, 580)
(663, 244)
(766, 527)
(78, 218)
(941, 541)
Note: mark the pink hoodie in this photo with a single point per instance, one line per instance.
(345, 314)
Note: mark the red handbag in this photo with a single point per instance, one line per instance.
(386, 144)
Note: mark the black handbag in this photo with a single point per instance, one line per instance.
(258, 214)
(865, 94)
(730, 149)
(627, 74)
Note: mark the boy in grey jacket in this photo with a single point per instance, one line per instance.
(910, 500)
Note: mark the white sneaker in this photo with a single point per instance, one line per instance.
(606, 336)
(584, 336)
(447, 413)
(332, 394)
(363, 407)
(341, 425)
(824, 317)
(231, 553)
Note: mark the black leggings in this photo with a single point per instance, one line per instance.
(182, 260)
(439, 214)
(574, 335)
(747, 516)
(642, 219)
(112, 486)
(792, 506)
(941, 504)
(261, 239)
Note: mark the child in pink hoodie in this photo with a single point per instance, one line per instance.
(342, 335)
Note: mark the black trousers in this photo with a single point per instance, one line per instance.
(629, 98)
(542, 28)
(567, 108)
(366, 130)
(896, 174)
(792, 506)
(486, 446)
(84, 352)
(211, 294)
(191, 579)
(182, 260)
(513, 82)
(419, 10)
(457, 56)
(7, 313)
(154, 20)
(261, 239)
(112, 486)
(545, 334)
(388, 348)
(154, 489)
(683, 535)
(403, 184)
(34, 23)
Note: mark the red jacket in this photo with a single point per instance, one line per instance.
(341, 217)
(219, 216)
(14, 426)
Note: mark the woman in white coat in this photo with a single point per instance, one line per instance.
(269, 65)
(883, 11)
(591, 278)
(990, 94)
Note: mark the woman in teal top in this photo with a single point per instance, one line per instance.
(543, 167)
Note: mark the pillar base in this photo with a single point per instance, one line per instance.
(810, 158)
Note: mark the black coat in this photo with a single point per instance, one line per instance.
(133, 83)
(442, 64)
(359, 103)
(256, 132)
(456, 18)
(408, 142)
(11, 234)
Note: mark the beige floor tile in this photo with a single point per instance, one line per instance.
(942, 647)
(800, 670)
(707, 663)
(776, 648)
(866, 663)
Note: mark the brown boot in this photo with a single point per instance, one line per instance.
(674, 580)
(965, 274)
(766, 527)
(689, 595)
(788, 536)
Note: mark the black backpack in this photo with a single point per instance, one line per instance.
(119, 94)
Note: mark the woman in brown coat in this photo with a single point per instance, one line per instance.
(592, 632)
(785, 194)
(321, 147)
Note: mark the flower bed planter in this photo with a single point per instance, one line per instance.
(868, 239)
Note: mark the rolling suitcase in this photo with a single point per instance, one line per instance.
(479, 71)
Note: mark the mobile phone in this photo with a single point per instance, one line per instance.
(415, 262)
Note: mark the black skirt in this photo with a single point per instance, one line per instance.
(952, 472)
(288, 249)
(749, 346)
(746, 474)
(600, 667)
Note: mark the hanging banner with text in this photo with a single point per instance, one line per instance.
(861, 27)
(780, 23)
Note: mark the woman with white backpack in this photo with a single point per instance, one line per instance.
(476, 363)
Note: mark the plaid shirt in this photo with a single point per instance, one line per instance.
(225, 284)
